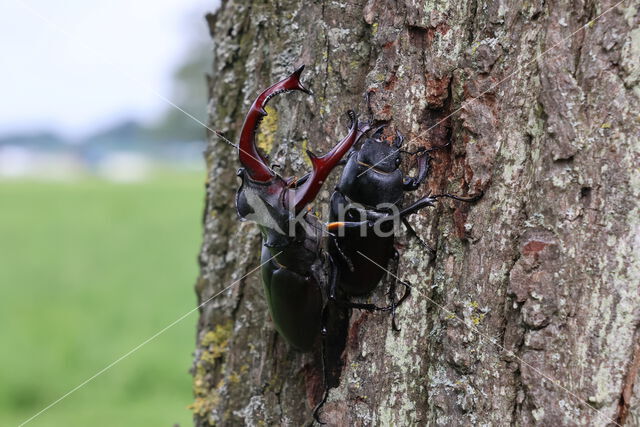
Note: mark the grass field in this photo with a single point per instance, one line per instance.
(89, 270)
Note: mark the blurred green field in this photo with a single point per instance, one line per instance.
(89, 270)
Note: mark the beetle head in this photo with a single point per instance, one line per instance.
(264, 196)
(379, 154)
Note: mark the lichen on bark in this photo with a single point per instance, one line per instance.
(542, 115)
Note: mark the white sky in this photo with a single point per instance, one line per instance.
(75, 66)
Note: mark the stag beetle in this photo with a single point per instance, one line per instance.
(293, 271)
(365, 209)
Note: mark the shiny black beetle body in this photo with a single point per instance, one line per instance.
(293, 273)
(370, 185)
(371, 191)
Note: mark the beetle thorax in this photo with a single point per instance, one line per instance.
(379, 155)
(371, 186)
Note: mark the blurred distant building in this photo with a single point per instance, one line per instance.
(125, 153)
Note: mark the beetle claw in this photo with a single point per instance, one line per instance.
(353, 117)
(394, 325)
(377, 132)
(399, 139)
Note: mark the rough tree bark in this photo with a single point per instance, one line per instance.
(547, 264)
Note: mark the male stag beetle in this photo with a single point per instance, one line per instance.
(365, 209)
(292, 272)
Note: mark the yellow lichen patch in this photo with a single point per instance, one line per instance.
(217, 341)
(605, 126)
(477, 319)
(214, 345)
(207, 357)
(205, 404)
(206, 400)
(268, 128)
(234, 378)
(305, 147)
(199, 383)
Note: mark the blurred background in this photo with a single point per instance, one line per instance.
(101, 193)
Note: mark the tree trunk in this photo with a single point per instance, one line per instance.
(530, 311)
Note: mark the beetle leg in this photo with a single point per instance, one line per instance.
(325, 373)
(411, 183)
(363, 306)
(412, 232)
(402, 299)
(428, 201)
(392, 290)
(367, 100)
(411, 209)
(344, 257)
(333, 279)
(416, 206)
(335, 323)
(333, 341)
(394, 280)
(462, 199)
(391, 307)
(398, 140)
(369, 307)
(419, 150)
(346, 303)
